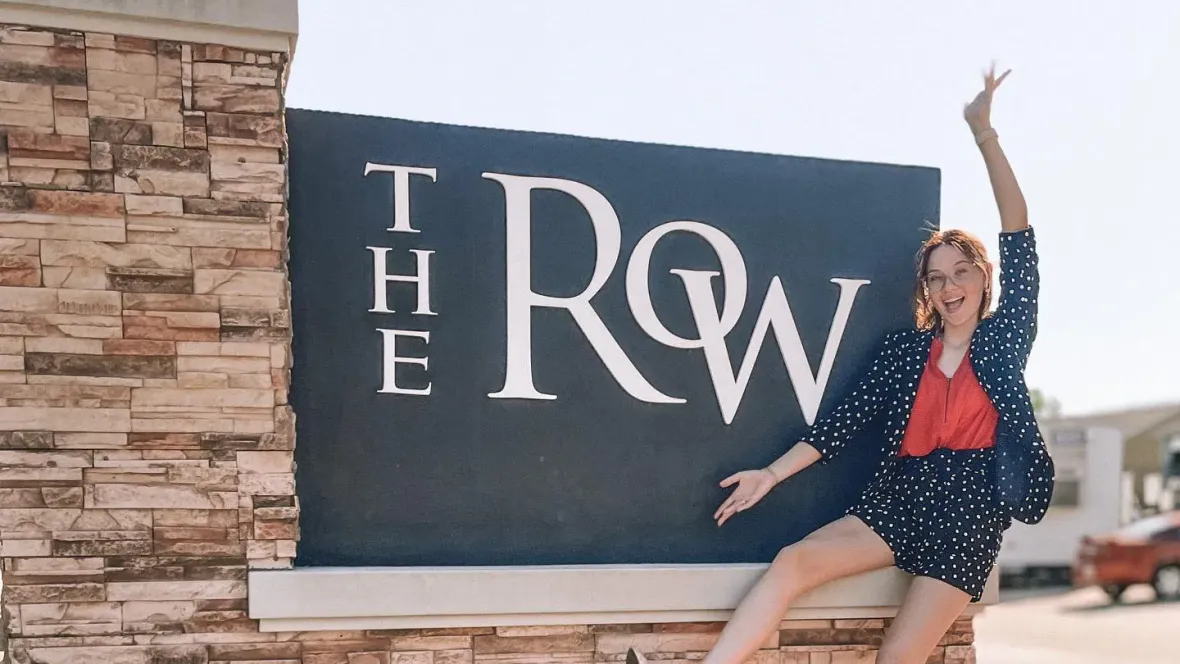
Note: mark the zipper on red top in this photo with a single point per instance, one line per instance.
(946, 402)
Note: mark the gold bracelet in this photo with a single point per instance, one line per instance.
(985, 135)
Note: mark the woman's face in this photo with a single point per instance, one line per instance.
(955, 285)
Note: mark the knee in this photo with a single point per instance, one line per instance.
(794, 565)
(787, 558)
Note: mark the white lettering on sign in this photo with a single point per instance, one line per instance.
(381, 278)
(733, 269)
(401, 190)
(391, 359)
(776, 314)
(714, 327)
(521, 300)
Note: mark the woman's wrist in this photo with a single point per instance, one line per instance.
(773, 474)
(984, 135)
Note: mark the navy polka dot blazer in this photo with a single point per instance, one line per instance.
(999, 353)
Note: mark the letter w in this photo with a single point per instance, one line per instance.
(775, 313)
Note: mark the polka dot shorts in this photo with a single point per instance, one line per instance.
(939, 517)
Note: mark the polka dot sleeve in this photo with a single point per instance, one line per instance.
(1019, 288)
(831, 433)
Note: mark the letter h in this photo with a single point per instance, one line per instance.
(381, 278)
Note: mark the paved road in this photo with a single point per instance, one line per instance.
(1078, 627)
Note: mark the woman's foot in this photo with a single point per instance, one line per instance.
(635, 657)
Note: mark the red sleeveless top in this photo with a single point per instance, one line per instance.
(952, 413)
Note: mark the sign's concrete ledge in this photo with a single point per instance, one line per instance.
(264, 25)
(359, 598)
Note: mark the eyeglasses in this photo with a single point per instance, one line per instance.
(962, 275)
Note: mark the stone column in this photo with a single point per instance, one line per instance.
(145, 438)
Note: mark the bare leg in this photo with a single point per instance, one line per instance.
(841, 548)
(930, 608)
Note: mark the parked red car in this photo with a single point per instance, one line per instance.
(1147, 551)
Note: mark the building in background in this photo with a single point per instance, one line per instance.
(1151, 452)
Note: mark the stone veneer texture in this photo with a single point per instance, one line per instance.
(145, 437)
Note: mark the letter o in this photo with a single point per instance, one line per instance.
(733, 273)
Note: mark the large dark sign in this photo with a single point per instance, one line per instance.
(518, 348)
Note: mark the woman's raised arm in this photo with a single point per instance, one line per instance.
(1009, 199)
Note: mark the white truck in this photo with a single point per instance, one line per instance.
(1091, 497)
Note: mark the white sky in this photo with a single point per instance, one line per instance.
(1088, 117)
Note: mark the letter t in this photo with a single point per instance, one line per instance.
(401, 191)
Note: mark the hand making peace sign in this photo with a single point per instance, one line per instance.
(978, 112)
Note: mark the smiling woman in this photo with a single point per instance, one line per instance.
(953, 271)
(961, 450)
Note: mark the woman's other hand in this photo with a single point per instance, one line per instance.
(752, 486)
